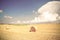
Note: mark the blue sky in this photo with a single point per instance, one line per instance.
(19, 9)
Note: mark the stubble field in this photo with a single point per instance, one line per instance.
(22, 32)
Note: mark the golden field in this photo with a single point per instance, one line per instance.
(21, 32)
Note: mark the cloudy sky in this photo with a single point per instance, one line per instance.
(19, 10)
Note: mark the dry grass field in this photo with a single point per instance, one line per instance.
(22, 32)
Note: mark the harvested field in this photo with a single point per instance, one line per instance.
(22, 32)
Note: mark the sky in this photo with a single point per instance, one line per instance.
(19, 10)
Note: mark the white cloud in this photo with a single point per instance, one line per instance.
(49, 16)
(53, 6)
(12, 22)
(45, 17)
(25, 22)
(47, 13)
(34, 12)
(50, 11)
(8, 17)
(18, 22)
(59, 18)
(1, 10)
